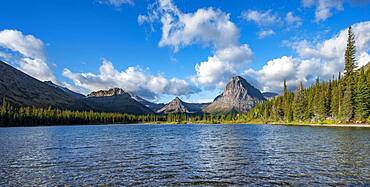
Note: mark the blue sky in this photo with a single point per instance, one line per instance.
(78, 43)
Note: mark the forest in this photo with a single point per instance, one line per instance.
(344, 99)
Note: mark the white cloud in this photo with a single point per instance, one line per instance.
(225, 63)
(272, 75)
(206, 26)
(321, 59)
(265, 33)
(324, 8)
(133, 79)
(266, 18)
(32, 59)
(291, 19)
(333, 49)
(116, 3)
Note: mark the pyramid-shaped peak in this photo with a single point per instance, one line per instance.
(237, 78)
(177, 99)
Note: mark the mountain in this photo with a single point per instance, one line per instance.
(70, 92)
(179, 106)
(151, 105)
(269, 95)
(238, 96)
(21, 89)
(115, 100)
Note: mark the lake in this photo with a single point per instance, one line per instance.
(159, 155)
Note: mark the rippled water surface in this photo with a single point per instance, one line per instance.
(184, 155)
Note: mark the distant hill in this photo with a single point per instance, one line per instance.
(179, 106)
(21, 89)
(115, 100)
(269, 95)
(238, 96)
(153, 106)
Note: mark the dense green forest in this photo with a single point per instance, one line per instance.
(345, 99)
(29, 116)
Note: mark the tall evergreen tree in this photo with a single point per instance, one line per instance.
(347, 109)
(300, 103)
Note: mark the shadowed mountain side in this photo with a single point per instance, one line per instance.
(21, 89)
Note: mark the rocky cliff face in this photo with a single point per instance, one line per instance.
(105, 93)
(179, 106)
(238, 96)
(115, 100)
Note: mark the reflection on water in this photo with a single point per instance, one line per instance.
(184, 155)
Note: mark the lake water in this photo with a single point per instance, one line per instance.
(184, 155)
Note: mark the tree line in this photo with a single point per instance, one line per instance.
(345, 99)
(30, 116)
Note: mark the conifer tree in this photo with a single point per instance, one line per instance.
(300, 103)
(347, 109)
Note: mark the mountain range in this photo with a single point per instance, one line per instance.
(21, 89)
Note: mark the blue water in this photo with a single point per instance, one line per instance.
(184, 155)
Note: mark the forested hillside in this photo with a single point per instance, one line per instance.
(345, 99)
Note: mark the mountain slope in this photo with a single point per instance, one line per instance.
(179, 106)
(21, 89)
(238, 96)
(115, 100)
(153, 106)
(70, 92)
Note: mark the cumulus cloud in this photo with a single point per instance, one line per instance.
(321, 59)
(133, 79)
(225, 63)
(324, 8)
(261, 18)
(265, 33)
(30, 52)
(207, 27)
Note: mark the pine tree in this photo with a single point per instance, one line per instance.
(300, 103)
(347, 109)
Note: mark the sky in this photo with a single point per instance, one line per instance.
(159, 49)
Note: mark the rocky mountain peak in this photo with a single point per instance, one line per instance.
(238, 95)
(175, 106)
(105, 93)
(239, 89)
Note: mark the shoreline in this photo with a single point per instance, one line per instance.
(327, 125)
(236, 123)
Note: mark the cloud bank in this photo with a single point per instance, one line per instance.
(133, 79)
